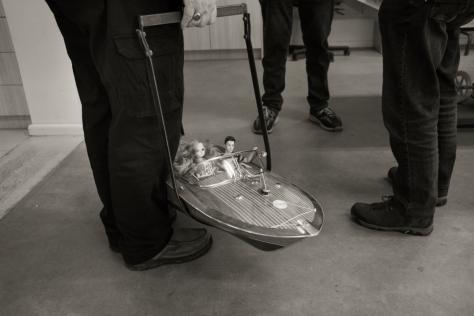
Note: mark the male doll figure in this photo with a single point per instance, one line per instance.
(316, 18)
(421, 57)
(229, 143)
(229, 146)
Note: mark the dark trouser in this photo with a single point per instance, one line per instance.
(122, 134)
(421, 57)
(316, 18)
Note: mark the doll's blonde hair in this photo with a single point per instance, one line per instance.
(186, 154)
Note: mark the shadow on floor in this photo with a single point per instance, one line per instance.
(55, 259)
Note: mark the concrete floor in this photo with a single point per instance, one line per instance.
(25, 161)
(55, 260)
(11, 139)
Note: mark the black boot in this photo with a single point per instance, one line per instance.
(390, 215)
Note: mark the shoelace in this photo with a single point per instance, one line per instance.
(387, 201)
(328, 112)
(268, 114)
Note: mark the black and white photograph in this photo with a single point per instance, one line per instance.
(236, 157)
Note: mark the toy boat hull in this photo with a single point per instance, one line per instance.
(270, 221)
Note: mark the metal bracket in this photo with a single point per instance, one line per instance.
(150, 20)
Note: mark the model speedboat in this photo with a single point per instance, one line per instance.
(238, 196)
(233, 191)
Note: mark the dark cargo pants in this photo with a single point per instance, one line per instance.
(122, 134)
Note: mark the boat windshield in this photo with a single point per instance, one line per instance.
(222, 169)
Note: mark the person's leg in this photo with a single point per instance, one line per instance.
(136, 156)
(316, 18)
(277, 23)
(446, 72)
(447, 123)
(413, 46)
(411, 100)
(137, 152)
(96, 113)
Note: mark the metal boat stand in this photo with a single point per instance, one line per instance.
(156, 20)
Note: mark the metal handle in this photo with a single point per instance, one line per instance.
(175, 17)
(230, 10)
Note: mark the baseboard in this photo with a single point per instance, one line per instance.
(14, 121)
(55, 130)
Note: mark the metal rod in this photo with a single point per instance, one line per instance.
(159, 111)
(175, 17)
(256, 88)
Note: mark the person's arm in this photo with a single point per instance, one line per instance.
(199, 13)
(250, 157)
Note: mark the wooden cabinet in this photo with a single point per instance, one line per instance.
(227, 33)
(197, 39)
(13, 108)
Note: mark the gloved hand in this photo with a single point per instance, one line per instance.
(199, 13)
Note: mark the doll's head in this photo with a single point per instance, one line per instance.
(192, 153)
(198, 151)
(229, 143)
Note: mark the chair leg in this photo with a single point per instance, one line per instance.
(468, 43)
(345, 49)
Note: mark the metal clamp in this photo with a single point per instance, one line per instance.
(145, 21)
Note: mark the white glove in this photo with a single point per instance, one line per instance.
(199, 13)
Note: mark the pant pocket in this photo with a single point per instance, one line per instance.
(134, 77)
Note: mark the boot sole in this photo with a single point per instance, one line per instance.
(315, 120)
(161, 262)
(402, 229)
(269, 131)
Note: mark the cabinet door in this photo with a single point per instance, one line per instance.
(197, 38)
(13, 107)
(228, 32)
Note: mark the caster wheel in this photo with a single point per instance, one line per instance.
(464, 86)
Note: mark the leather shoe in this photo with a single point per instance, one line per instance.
(186, 244)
